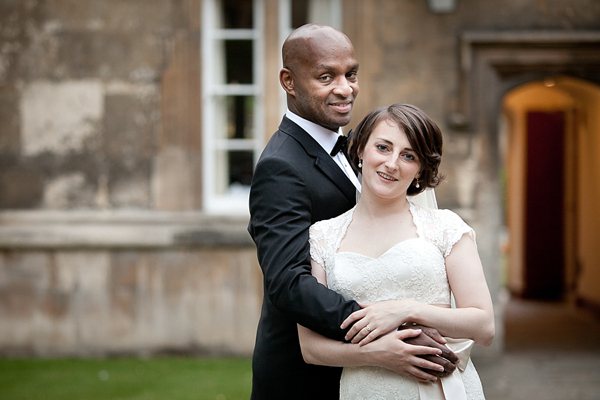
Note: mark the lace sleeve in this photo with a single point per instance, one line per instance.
(454, 230)
(316, 239)
(325, 237)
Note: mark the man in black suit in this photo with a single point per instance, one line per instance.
(297, 182)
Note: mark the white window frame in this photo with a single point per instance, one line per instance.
(229, 203)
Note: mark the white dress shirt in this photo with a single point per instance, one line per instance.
(327, 140)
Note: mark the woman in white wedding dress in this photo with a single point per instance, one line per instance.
(401, 261)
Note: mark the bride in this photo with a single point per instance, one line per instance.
(402, 262)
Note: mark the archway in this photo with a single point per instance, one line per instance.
(492, 64)
(552, 180)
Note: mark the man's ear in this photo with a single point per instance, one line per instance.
(287, 81)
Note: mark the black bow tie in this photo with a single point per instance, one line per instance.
(340, 145)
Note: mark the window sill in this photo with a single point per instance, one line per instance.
(119, 230)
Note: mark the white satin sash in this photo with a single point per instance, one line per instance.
(452, 386)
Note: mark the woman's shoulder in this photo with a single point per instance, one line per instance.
(327, 225)
(325, 236)
(437, 215)
(442, 227)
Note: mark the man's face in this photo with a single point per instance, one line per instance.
(325, 83)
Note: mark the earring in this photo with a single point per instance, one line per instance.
(417, 184)
(359, 163)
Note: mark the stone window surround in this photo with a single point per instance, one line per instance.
(504, 60)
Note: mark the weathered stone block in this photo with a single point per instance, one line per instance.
(110, 15)
(29, 271)
(124, 270)
(175, 180)
(21, 184)
(68, 192)
(129, 129)
(131, 189)
(60, 117)
(118, 56)
(93, 269)
(10, 123)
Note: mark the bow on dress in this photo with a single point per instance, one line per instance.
(452, 386)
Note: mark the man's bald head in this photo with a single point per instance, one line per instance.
(308, 41)
(320, 75)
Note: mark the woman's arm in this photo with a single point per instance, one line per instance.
(389, 351)
(473, 318)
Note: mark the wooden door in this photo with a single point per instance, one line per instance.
(545, 185)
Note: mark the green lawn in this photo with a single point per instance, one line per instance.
(120, 379)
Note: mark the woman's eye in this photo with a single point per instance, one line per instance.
(381, 147)
(409, 157)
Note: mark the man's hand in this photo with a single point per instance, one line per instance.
(430, 337)
(392, 352)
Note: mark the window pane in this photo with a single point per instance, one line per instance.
(238, 61)
(234, 117)
(237, 14)
(234, 171)
(240, 117)
(299, 13)
(313, 11)
(240, 167)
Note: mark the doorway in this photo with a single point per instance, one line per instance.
(552, 145)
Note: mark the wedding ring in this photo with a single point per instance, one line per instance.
(368, 329)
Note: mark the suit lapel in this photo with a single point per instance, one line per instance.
(323, 161)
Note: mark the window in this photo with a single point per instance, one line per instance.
(233, 91)
(232, 55)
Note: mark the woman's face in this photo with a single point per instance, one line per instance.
(389, 164)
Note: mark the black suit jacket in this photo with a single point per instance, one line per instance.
(295, 184)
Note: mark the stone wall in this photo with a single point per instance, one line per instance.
(87, 90)
(409, 54)
(99, 135)
(78, 284)
(103, 244)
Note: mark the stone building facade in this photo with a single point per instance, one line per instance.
(128, 129)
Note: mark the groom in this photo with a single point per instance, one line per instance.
(298, 181)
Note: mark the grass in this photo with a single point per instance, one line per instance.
(125, 379)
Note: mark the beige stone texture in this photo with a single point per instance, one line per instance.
(104, 246)
(60, 117)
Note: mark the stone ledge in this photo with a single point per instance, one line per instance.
(119, 230)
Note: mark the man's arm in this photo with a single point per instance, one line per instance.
(389, 351)
(281, 209)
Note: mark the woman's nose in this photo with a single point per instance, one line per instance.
(392, 162)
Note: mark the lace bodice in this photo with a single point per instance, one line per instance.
(412, 269)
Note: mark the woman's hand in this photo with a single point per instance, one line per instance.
(377, 319)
